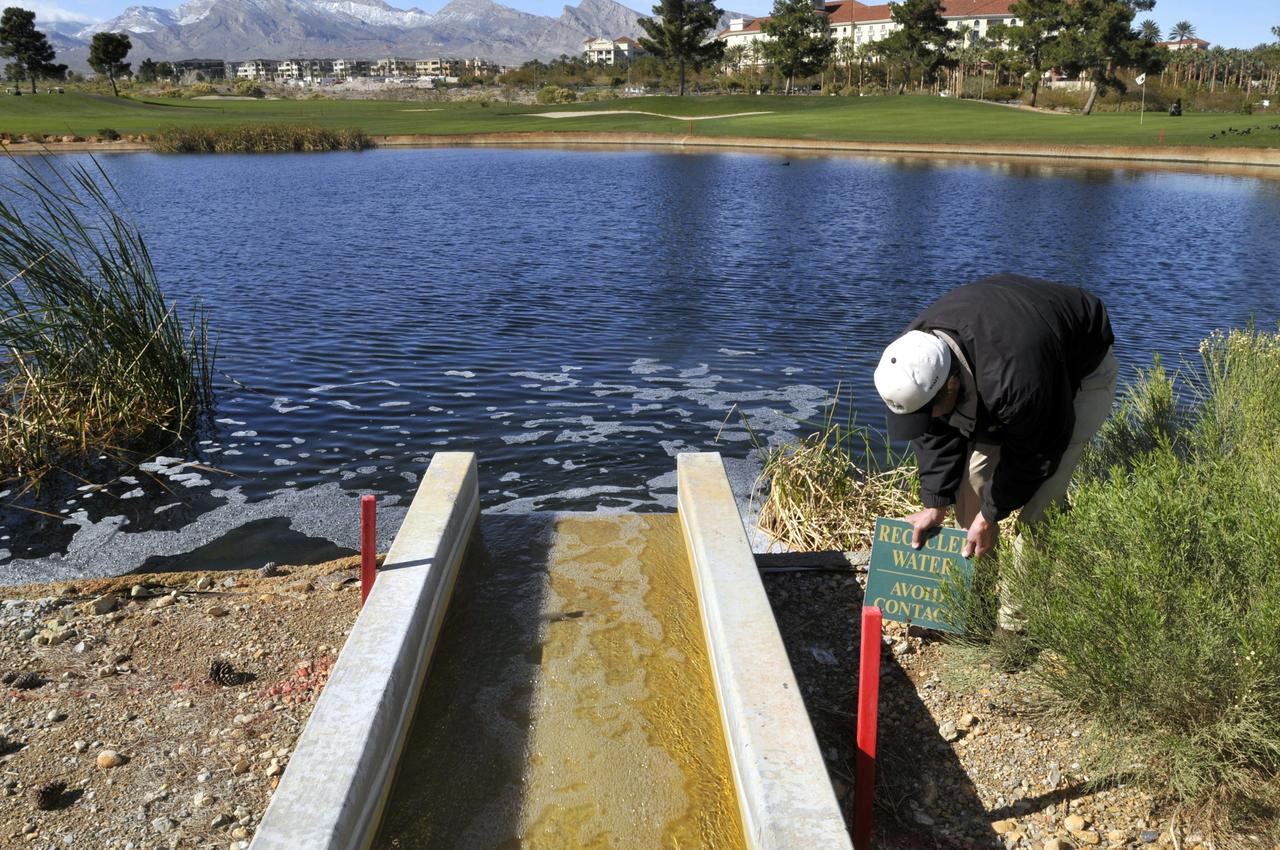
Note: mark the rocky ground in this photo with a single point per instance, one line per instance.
(107, 689)
(113, 734)
(969, 757)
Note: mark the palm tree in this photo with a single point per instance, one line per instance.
(1182, 31)
(1149, 30)
(734, 56)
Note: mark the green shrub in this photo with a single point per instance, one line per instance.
(1154, 601)
(555, 94)
(247, 88)
(92, 359)
(599, 94)
(107, 134)
(258, 138)
(199, 90)
(1001, 93)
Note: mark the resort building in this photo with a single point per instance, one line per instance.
(611, 51)
(478, 67)
(346, 69)
(867, 24)
(439, 67)
(395, 68)
(262, 70)
(1185, 44)
(304, 69)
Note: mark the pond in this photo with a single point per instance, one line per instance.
(577, 318)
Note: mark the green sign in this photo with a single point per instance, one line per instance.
(906, 583)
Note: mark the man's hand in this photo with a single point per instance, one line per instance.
(922, 522)
(982, 537)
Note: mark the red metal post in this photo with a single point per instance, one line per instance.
(1162, 135)
(868, 710)
(368, 545)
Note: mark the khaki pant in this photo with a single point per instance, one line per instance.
(1092, 407)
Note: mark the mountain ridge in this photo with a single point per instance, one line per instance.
(372, 29)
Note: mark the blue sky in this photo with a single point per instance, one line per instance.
(1231, 23)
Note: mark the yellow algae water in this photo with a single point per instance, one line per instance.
(570, 701)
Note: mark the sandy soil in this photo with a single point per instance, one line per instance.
(197, 759)
(970, 757)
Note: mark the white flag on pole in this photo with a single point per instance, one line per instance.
(1141, 80)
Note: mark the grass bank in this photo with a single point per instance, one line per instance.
(257, 138)
(921, 120)
(92, 358)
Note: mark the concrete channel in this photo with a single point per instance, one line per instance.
(561, 681)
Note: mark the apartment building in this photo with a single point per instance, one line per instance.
(394, 68)
(439, 67)
(346, 69)
(262, 70)
(304, 69)
(614, 51)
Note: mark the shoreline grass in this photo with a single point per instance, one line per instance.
(257, 138)
(908, 119)
(92, 358)
(826, 491)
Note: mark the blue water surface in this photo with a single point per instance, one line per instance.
(577, 318)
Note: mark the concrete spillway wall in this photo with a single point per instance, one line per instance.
(339, 778)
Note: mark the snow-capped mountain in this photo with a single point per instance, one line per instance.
(277, 29)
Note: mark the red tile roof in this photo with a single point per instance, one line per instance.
(843, 13)
(969, 8)
(847, 11)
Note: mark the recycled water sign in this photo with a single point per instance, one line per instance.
(906, 583)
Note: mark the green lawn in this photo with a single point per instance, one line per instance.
(897, 119)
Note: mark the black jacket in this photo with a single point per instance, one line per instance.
(1030, 343)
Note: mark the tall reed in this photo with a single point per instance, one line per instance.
(826, 491)
(92, 358)
(258, 138)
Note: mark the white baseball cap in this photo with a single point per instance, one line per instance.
(911, 373)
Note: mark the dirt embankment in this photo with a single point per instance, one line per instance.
(109, 704)
(1249, 162)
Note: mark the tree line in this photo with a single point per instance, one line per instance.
(31, 56)
(1091, 40)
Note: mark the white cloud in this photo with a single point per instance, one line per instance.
(49, 13)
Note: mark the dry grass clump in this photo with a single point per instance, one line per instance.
(92, 359)
(258, 138)
(826, 491)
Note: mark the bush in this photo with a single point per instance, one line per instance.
(1001, 93)
(199, 90)
(92, 359)
(247, 88)
(555, 94)
(108, 135)
(599, 94)
(258, 138)
(1154, 601)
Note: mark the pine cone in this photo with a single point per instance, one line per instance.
(28, 681)
(222, 673)
(48, 795)
(270, 570)
(8, 678)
